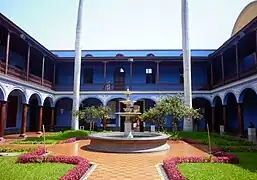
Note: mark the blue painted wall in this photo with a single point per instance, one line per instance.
(15, 59)
(249, 109)
(232, 113)
(169, 75)
(63, 119)
(247, 62)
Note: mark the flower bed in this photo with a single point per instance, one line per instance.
(170, 165)
(38, 156)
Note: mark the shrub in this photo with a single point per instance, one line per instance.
(10, 150)
(37, 156)
(170, 165)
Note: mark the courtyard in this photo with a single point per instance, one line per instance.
(131, 166)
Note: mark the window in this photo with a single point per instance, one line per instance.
(150, 76)
(121, 70)
(88, 75)
(181, 76)
(148, 71)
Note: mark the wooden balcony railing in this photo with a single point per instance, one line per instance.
(21, 74)
(2, 66)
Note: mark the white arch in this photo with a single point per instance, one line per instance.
(145, 98)
(202, 97)
(213, 104)
(22, 93)
(61, 97)
(39, 98)
(224, 100)
(2, 91)
(241, 94)
(90, 97)
(51, 100)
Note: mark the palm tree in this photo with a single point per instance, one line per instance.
(77, 67)
(188, 125)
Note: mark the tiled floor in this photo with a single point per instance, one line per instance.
(113, 166)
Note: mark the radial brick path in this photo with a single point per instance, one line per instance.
(113, 166)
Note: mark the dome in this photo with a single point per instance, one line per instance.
(246, 16)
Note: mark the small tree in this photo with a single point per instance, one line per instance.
(103, 112)
(154, 115)
(88, 114)
(171, 106)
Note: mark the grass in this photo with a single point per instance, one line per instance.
(55, 137)
(9, 170)
(216, 139)
(245, 170)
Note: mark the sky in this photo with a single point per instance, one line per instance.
(125, 24)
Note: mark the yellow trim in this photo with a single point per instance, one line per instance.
(246, 15)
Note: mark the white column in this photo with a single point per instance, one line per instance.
(188, 125)
(77, 67)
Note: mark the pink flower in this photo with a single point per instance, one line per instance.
(81, 164)
(170, 165)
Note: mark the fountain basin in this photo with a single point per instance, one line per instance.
(116, 142)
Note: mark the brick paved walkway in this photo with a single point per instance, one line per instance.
(114, 166)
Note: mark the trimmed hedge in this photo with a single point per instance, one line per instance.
(38, 156)
(170, 165)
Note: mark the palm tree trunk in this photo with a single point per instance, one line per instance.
(77, 67)
(188, 125)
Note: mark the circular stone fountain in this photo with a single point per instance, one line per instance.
(128, 141)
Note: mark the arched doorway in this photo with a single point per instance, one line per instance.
(47, 110)
(63, 113)
(115, 120)
(218, 114)
(89, 102)
(231, 102)
(249, 99)
(119, 79)
(205, 108)
(144, 104)
(14, 109)
(34, 103)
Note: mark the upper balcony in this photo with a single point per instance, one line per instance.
(136, 76)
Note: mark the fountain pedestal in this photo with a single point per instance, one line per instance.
(128, 129)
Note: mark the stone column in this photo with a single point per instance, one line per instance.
(2, 119)
(52, 118)
(39, 131)
(24, 120)
(240, 120)
(28, 63)
(7, 52)
(213, 119)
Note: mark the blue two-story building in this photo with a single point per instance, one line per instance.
(36, 84)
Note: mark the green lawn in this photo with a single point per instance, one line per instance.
(54, 137)
(245, 170)
(9, 170)
(216, 139)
